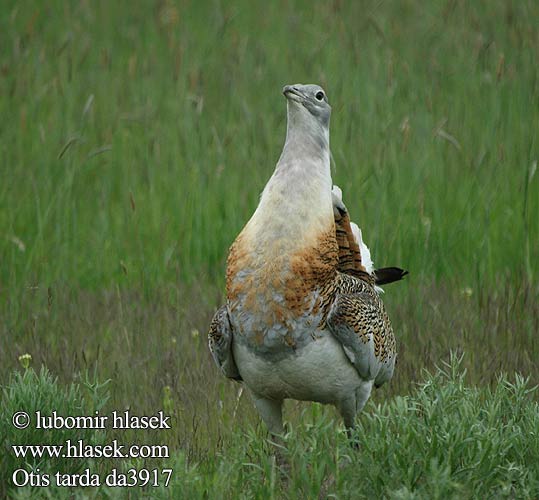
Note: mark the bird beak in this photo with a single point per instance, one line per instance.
(292, 93)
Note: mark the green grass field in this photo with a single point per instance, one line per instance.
(136, 138)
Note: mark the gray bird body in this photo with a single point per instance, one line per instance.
(303, 319)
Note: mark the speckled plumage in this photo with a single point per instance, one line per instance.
(359, 321)
(303, 319)
(220, 344)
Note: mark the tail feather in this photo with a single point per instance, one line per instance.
(387, 275)
(350, 255)
(354, 255)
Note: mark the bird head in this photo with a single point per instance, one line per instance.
(308, 108)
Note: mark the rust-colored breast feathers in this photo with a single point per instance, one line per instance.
(282, 285)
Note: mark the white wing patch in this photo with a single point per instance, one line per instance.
(363, 249)
(366, 259)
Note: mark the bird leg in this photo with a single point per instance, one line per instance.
(348, 412)
(354, 442)
(271, 411)
(349, 409)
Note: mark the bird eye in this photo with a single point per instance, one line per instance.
(319, 95)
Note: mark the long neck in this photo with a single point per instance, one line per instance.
(296, 202)
(306, 139)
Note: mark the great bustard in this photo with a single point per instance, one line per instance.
(303, 317)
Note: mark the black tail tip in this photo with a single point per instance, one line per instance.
(387, 275)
